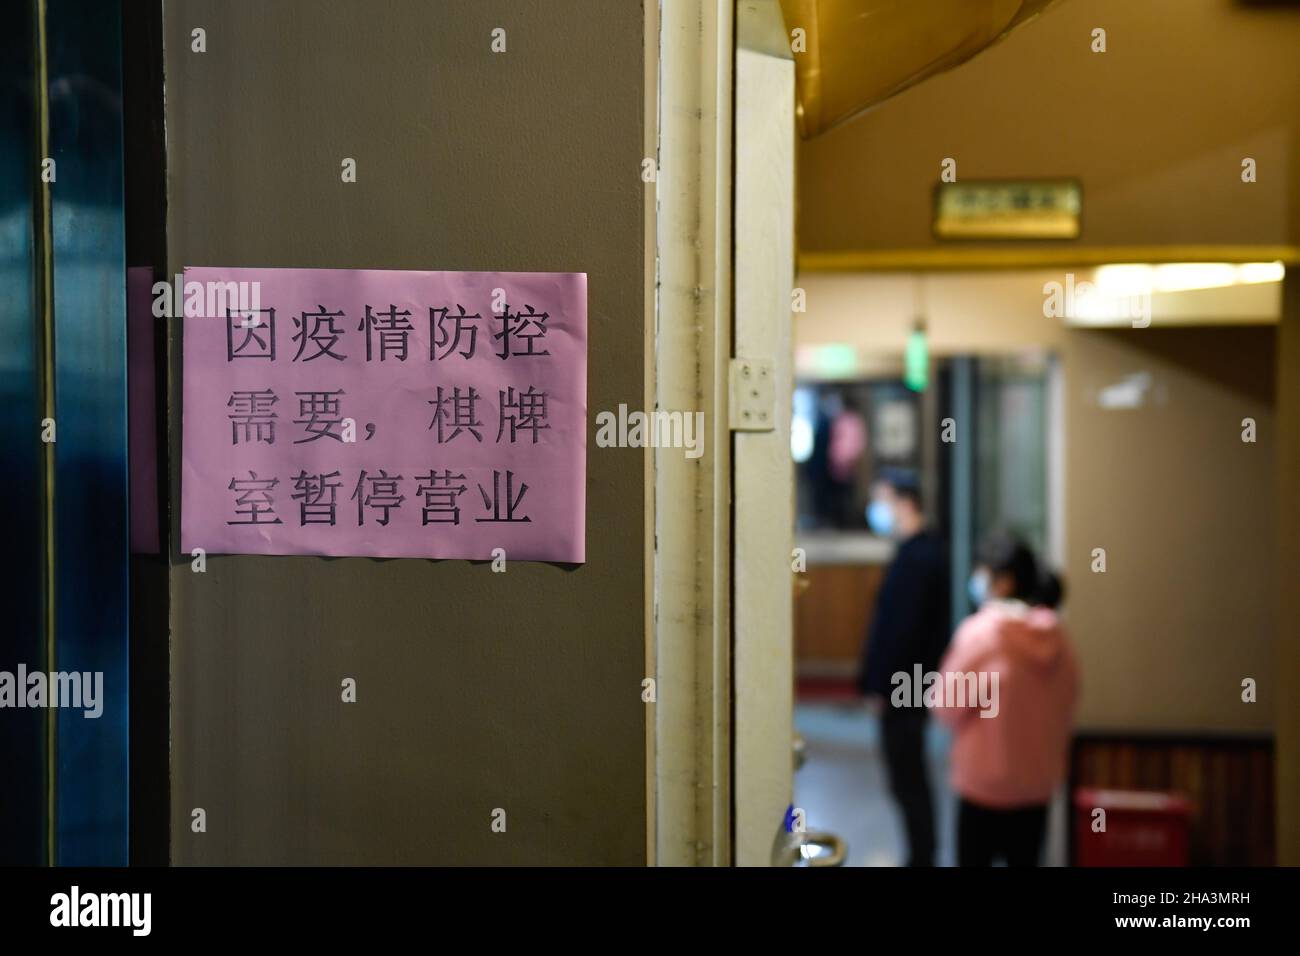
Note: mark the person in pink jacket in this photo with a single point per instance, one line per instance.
(1010, 680)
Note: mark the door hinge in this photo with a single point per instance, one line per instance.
(753, 395)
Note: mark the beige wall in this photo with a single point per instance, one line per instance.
(1155, 128)
(1185, 511)
(1183, 508)
(476, 690)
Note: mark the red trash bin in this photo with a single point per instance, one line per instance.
(1143, 828)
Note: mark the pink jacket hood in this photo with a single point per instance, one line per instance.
(1032, 636)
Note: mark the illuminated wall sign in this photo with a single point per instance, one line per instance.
(1010, 209)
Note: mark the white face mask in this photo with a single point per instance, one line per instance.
(978, 587)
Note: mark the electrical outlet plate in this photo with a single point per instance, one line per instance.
(753, 395)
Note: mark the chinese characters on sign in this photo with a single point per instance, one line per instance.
(1030, 209)
(385, 414)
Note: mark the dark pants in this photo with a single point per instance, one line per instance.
(985, 834)
(903, 733)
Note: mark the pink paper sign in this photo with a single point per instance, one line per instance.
(384, 413)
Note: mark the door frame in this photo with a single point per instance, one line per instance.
(720, 527)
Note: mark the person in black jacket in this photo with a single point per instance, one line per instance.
(910, 627)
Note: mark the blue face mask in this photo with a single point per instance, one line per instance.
(978, 588)
(880, 517)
